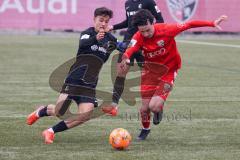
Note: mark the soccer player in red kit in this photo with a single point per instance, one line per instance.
(162, 60)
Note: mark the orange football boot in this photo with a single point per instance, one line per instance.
(110, 109)
(48, 136)
(33, 117)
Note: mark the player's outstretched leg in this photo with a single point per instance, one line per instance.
(118, 88)
(85, 111)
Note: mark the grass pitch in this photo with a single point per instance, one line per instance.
(201, 117)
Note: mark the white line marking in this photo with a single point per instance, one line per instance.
(209, 43)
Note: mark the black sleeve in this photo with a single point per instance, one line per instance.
(155, 11)
(112, 43)
(123, 24)
(87, 40)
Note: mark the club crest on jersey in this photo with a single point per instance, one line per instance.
(182, 10)
(161, 43)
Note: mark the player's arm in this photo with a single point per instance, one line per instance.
(134, 45)
(178, 28)
(123, 24)
(152, 6)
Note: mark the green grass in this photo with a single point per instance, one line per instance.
(201, 116)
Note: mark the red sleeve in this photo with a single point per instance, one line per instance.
(134, 45)
(174, 29)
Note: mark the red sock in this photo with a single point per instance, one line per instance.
(145, 116)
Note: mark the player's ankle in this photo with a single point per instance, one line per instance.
(146, 128)
(114, 104)
(61, 126)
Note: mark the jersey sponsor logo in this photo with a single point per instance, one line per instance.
(85, 36)
(161, 43)
(162, 51)
(131, 13)
(94, 47)
(97, 48)
(183, 10)
(102, 49)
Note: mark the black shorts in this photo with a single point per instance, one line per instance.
(80, 94)
(83, 99)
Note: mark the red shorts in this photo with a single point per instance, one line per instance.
(153, 84)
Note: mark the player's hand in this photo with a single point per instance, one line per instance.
(100, 34)
(109, 28)
(220, 20)
(125, 62)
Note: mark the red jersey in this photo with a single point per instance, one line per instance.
(161, 47)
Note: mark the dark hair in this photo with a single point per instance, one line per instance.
(142, 17)
(103, 11)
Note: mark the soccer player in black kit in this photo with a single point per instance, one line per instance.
(131, 7)
(95, 46)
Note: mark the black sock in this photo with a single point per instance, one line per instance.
(43, 112)
(118, 89)
(61, 126)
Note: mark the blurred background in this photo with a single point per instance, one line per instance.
(76, 15)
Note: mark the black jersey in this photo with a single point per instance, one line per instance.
(88, 44)
(131, 7)
(91, 55)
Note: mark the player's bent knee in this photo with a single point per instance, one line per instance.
(143, 110)
(156, 104)
(155, 108)
(51, 107)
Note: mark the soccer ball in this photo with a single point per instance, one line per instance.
(120, 138)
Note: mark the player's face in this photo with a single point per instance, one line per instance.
(101, 22)
(147, 30)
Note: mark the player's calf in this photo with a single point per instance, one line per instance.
(156, 106)
(157, 117)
